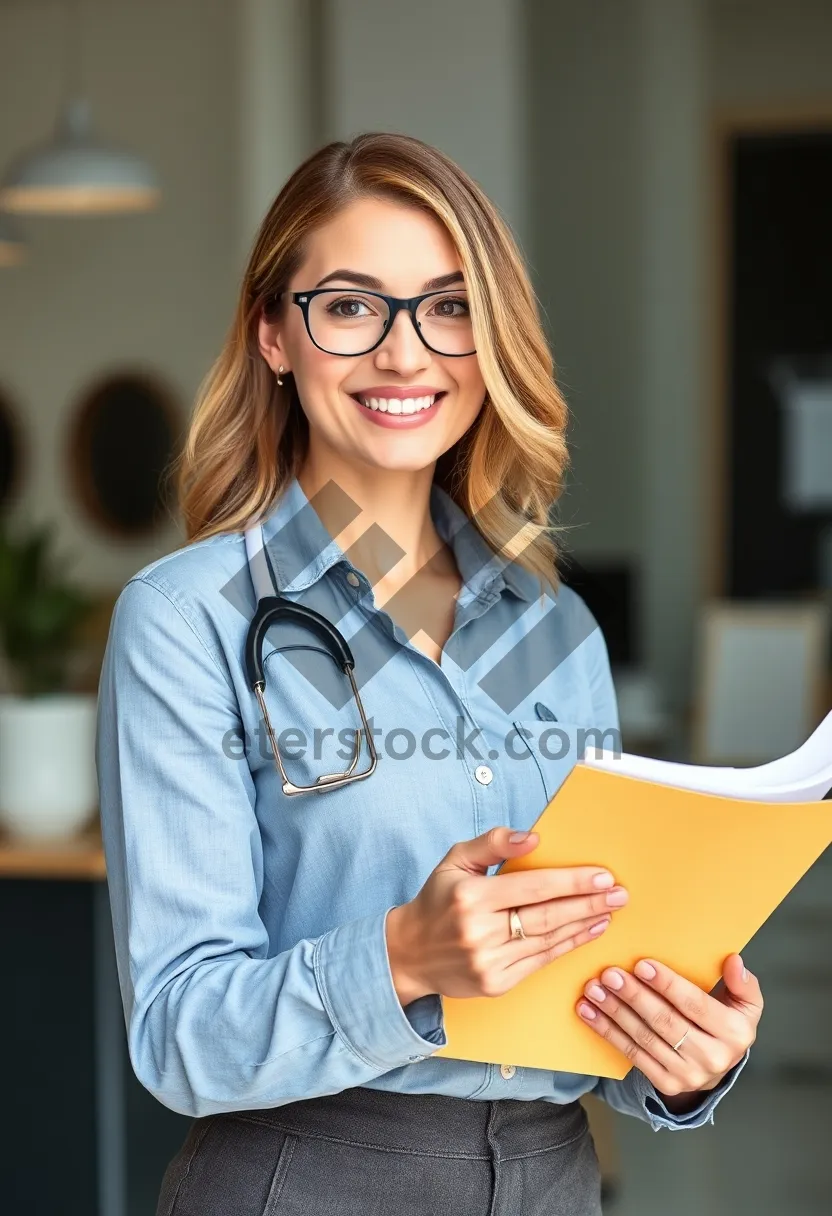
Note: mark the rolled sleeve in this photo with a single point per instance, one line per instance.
(635, 1095)
(356, 984)
(659, 1116)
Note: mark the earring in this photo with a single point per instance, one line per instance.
(279, 371)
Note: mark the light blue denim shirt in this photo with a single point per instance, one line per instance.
(250, 926)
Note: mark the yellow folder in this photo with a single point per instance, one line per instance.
(703, 873)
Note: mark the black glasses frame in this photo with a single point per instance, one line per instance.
(395, 304)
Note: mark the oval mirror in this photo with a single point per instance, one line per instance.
(10, 452)
(123, 436)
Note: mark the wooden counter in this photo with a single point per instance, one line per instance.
(80, 858)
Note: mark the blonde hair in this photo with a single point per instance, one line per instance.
(248, 436)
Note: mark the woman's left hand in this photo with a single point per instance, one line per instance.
(647, 1013)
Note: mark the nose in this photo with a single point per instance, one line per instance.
(402, 349)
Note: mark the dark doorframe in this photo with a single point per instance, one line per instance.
(742, 142)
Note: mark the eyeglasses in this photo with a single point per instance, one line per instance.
(342, 322)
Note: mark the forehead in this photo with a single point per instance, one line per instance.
(398, 244)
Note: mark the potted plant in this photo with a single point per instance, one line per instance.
(47, 727)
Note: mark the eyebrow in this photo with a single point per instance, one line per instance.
(373, 284)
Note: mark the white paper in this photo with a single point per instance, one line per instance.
(805, 775)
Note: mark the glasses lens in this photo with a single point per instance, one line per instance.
(346, 322)
(445, 322)
(351, 322)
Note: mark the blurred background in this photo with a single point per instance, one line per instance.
(666, 166)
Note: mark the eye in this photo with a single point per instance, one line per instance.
(350, 306)
(444, 307)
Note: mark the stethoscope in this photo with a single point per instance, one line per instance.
(273, 608)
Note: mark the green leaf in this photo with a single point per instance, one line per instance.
(41, 609)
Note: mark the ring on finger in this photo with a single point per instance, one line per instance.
(515, 924)
(676, 1046)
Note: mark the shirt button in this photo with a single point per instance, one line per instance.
(483, 774)
(353, 579)
(414, 1058)
(544, 712)
(508, 1071)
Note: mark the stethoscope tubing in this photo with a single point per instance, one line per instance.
(272, 608)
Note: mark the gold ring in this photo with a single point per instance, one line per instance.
(676, 1046)
(515, 924)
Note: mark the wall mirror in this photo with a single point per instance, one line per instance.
(124, 432)
(11, 454)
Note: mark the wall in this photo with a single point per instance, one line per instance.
(584, 187)
(96, 293)
(451, 74)
(768, 51)
(546, 102)
(622, 95)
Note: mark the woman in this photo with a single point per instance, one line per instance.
(381, 438)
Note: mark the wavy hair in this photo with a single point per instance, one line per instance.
(248, 436)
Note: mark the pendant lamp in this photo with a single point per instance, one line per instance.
(75, 173)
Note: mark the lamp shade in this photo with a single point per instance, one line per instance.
(12, 245)
(74, 174)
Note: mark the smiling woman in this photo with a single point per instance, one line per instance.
(323, 300)
(372, 461)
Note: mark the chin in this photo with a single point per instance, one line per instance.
(411, 461)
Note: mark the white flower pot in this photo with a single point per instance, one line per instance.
(48, 787)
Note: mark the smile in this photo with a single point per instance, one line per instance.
(396, 405)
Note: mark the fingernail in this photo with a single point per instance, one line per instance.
(614, 980)
(516, 837)
(744, 970)
(586, 1011)
(602, 881)
(645, 970)
(596, 992)
(617, 898)
(599, 926)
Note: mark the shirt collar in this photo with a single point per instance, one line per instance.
(302, 550)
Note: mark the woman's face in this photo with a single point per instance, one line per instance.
(403, 248)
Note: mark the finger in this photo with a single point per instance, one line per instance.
(697, 1006)
(570, 938)
(535, 943)
(648, 1020)
(535, 886)
(665, 1080)
(553, 913)
(740, 990)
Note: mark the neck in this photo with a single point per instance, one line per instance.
(396, 501)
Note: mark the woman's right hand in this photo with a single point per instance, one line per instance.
(453, 938)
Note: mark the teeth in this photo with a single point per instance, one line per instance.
(393, 405)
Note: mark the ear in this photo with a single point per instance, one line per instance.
(269, 340)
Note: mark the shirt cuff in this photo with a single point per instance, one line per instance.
(352, 969)
(659, 1116)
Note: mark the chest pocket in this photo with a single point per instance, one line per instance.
(555, 746)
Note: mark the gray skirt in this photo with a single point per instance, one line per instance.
(370, 1152)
